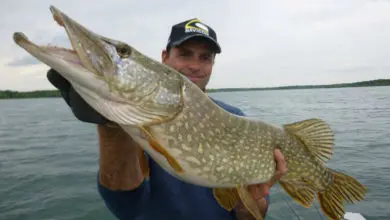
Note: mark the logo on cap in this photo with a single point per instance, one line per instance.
(195, 26)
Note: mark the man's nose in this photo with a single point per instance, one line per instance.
(194, 65)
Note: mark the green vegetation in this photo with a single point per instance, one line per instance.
(378, 82)
(8, 94)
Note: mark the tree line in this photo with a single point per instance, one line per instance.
(9, 94)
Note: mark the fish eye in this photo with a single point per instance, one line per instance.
(123, 50)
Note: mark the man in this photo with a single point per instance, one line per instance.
(191, 49)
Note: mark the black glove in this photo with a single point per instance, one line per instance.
(82, 110)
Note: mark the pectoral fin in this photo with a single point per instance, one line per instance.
(160, 149)
(249, 203)
(227, 198)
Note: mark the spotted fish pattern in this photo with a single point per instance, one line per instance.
(187, 133)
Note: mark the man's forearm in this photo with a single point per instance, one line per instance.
(119, 165)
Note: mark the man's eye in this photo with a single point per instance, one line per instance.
(206, 58)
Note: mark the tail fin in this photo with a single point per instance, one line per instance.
(342, 187)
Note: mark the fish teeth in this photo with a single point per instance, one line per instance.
(52, 46)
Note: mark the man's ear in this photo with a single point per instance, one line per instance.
(164, 55)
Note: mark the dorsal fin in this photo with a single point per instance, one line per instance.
(316, 135)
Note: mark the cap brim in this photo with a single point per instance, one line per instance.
(182, 40)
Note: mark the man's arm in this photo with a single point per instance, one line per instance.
(120, 181)
(119, 164)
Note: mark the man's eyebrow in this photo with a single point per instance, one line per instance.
(208, 53)
(188, 50)
(184, 49)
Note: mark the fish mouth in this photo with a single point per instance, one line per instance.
(110, 75)
(89, 51)
(88, 65)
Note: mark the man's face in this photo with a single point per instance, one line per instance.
(194, 58)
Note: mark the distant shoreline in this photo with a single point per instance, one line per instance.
(9, 94)
(369, 83)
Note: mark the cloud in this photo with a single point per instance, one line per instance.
(265, 43)
(27, 60)
(24, 61)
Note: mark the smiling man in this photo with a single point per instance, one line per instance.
(192, 48)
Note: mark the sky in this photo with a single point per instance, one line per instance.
(264, 43)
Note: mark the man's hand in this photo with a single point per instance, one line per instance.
(260, 191)
(81, 109)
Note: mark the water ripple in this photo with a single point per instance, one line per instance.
(48, 160)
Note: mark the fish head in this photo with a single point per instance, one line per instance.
(122, 84)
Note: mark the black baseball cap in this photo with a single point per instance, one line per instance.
(189, 29)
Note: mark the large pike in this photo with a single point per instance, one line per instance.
(190, 136)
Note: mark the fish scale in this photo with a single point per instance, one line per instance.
(255, 147)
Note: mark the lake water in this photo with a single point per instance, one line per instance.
(48, 159)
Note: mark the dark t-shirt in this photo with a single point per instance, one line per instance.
(165, 197)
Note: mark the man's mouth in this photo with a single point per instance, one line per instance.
(195, 77)
(192, 76)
